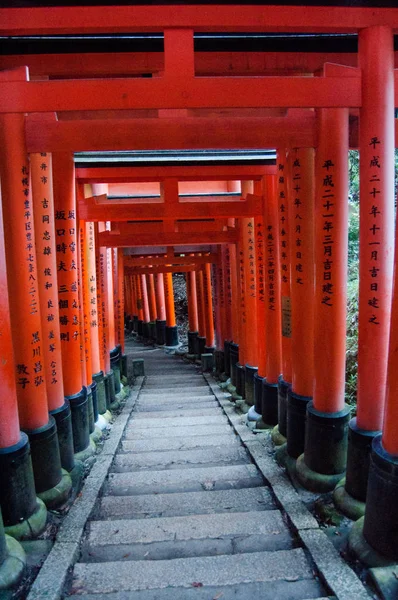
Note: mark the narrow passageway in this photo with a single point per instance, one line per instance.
(184, 513)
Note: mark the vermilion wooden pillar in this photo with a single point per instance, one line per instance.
(95, 325)
(324, 459)
(301, 209)
(235, 315)
(226, 275)
(171, 327)
(105, 309)
(272, 304)
(380, 529)
(160, 310)
(150, 278)
(208, 306)
(43, 211)
(261, 330)
(145, 307)
(219, 309)
(192, 311)
(16, 473)
(27, 336)
(139, 303)
(10, 436)
(201, 339)
(120, 307)
(66, 230)
(285, 380)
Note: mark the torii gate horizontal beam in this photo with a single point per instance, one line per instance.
(95, 209)
(181, 172)
(171, 134)
(148, 270)
(200, 238)
(176, 91)
(103, 64)
(152, 261)
(215, 18)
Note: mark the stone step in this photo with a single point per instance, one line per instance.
(197, 390)
(184, 411)
(218, 571)
(188, 503)
(170, 407)
(177, 459)
(179, 443)
(179, 431)
(182, 537)
(183, 480)
(184, 421)
(174, 381)
(303, 589)
(175, 400)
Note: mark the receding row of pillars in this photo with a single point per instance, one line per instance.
(62, 335)
(280, 299)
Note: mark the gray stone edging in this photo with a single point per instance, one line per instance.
(49, 584)
(340, 578)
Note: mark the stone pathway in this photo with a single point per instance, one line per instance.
(184, 513)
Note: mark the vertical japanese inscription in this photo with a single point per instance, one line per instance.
(328, 228)
(376, 233)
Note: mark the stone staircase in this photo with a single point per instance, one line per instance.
(184, 514)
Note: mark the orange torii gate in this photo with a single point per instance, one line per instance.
(268, 103)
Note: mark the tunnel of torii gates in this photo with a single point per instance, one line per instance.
(87, 249)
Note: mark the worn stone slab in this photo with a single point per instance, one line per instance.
(193, 527)
(179, 504)
(342, 580)
(179, 431)
(386, 581)
(210, 571)
(199, 390)
(177, 458)
(175, 400)
(185, 536)
(182, 406)
(179, 443)
(175, 382)
(269, 590)
(183, 421)
(190, 480)
(199, 411)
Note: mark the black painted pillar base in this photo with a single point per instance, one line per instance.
(63, 420)
(380, 528)
(234, 360)
(269, 408)
(152, 331)
(227, 359)
(110, 389)
(283, 389)
(24, 515)
(93, 386)
(129, 325)
(258, 393)
(200, 346)
(240, 380)
(140, 327)
(350, 494)
(80, 420)
(171, 335)
(101, 394)
(160, 332)
(209, 350)
(219, 362)
(115, 366)
(50, 484)
(91, 422)
(146, 333)
(250, 373)
(192, 337)
(324, 461)
(296, 421)
(135, 323)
